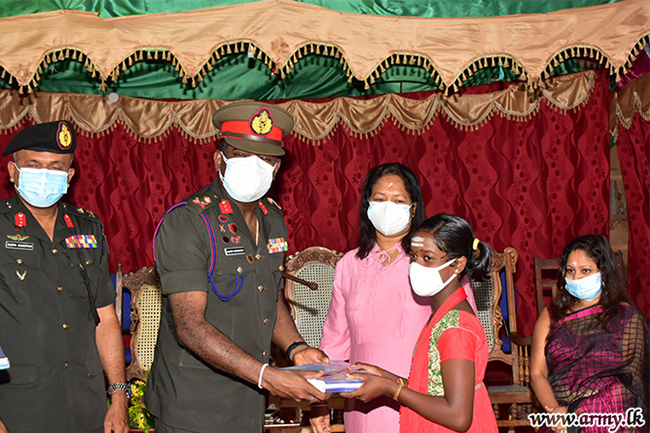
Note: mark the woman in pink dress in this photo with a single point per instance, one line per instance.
(445, 390)
(374, 316)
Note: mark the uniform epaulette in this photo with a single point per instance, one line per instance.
(272, 204)
(202, 201)
(77, 211)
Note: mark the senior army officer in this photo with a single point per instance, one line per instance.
(219, 254)
(57, 321)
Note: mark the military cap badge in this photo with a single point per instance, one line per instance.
(63, 136)
(262, 121)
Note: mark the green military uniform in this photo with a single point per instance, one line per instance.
(47, 329)
(182, 391)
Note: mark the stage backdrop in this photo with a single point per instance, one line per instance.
(533, 185)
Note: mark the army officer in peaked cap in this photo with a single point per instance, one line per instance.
(219, 254)
(57, 321)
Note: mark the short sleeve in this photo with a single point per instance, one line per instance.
(182, 252)
(457, 343)
(106, 293)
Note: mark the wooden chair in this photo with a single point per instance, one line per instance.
(518, 395)
(146, 301)
(547, 272)
(309, 278)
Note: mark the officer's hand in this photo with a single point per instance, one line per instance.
(117, 418)
(292, 384)
(3, 428)
(308, 355)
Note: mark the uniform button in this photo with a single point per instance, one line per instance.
(66, 365)
(260, 288)
(89, 262)
(281, 268)
(66, 326)
(258, 256)
(266, 321)
(240, 270)
(264, 354)
(59, 288)
(55, 251)
(19, 261)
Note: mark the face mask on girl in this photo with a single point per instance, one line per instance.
(41, 187)
(388, 217)
(586, 288)
(427, 281)
(247, 179)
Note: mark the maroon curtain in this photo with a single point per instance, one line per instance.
(634, 154)
(532, 185)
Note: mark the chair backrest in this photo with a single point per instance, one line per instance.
(547, 272)
(146, 301)
(309, 307)
(487, 295)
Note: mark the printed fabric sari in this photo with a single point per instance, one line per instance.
(597, 371)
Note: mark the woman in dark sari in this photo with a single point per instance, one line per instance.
(590, 356)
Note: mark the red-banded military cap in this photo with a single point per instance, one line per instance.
(55, 137)
(254, 127)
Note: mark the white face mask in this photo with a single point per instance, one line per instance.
(247, 179)
(388, 217)
(427, 281)
(586, 288)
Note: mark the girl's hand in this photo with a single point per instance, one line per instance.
(377, 371)
(559, 427)
(374, 385)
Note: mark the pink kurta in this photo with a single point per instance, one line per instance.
(375, 318)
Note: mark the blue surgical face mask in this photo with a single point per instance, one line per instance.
(586, 288)
(41, 187)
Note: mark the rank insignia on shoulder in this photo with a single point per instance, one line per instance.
(86, 213)
(277, 245)
(81, 241)
(225, 207)
(203, 202)
(273, 202)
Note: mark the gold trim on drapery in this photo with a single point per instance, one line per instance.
(314, 121)
(630, 99)
(280, 32)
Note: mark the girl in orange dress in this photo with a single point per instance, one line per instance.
(445, 390)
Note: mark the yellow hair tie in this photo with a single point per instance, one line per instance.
(475, 244)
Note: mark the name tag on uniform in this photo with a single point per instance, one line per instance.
(234, 251)
(21, 246)
(81, 241)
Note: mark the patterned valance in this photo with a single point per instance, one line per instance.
(314, 121)
(280, 32)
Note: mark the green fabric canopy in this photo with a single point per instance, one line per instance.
(424, 8)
